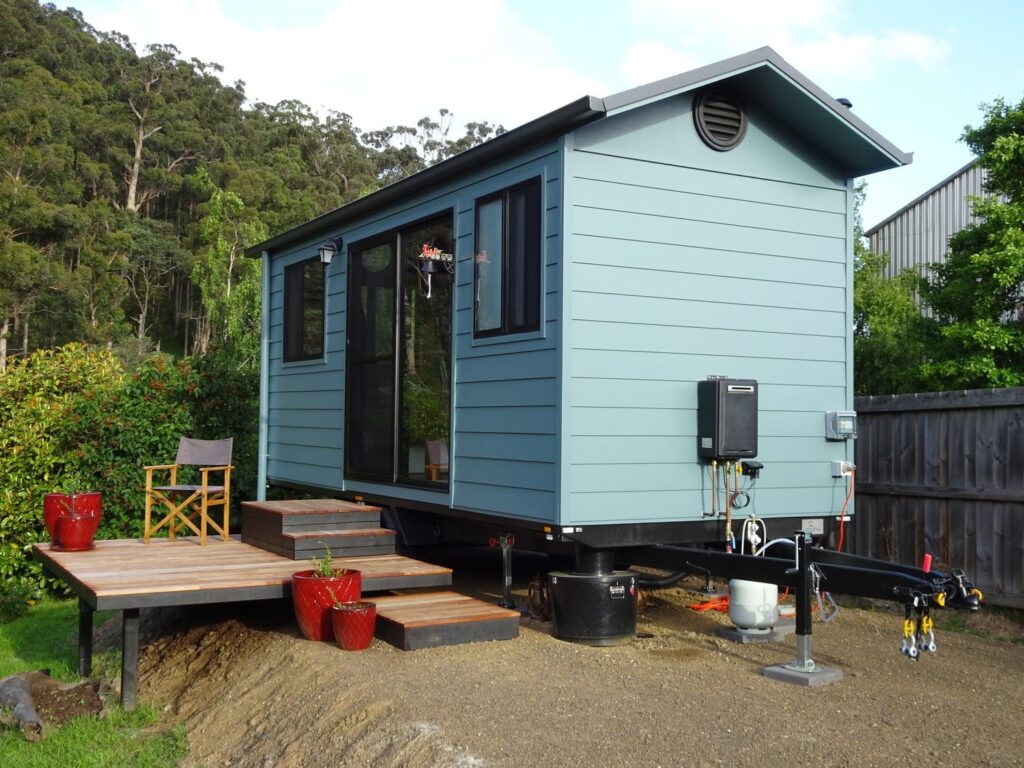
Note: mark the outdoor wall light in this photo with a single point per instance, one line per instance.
(327, 249)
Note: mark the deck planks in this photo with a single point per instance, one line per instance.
(433, 619)
(126, 573)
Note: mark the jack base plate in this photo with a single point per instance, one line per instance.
(820, 675)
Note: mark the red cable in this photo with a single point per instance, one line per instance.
(842, 515)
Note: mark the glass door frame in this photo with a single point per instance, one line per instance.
(394, 237)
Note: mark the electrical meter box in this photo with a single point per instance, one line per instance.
(840, 425)
(727, 418)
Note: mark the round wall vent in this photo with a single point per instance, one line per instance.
(720, 119)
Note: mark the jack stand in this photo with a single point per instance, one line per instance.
(506, 542)
(803, 670)
(709, 587)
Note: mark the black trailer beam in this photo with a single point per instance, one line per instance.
(839, 573)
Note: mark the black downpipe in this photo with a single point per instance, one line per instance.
(595, 562)
(654, 582)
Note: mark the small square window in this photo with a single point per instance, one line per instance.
(506, 282)
(304, 310)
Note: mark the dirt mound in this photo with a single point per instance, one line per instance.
(251, 692)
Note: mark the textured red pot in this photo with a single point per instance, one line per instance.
(354, 624)
(75, 532)
(313, 597)
(89, 504)
(55, 505)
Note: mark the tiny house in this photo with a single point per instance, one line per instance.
(516, 337)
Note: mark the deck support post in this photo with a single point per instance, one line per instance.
(85, 614)
(130, 659)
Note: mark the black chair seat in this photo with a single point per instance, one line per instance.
(182, 489)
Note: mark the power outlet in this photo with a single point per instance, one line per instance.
(842, 468)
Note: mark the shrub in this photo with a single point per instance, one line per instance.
(72, 419)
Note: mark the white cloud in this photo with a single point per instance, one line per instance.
(802, 31)
(867, 54)
(382, 62)
(649, 60)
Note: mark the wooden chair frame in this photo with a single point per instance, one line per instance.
(187, 503)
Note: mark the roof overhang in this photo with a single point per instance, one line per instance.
(763, 77)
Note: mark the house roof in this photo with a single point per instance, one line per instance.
(806, 109)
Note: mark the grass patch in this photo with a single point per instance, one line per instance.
(45, 638)
(121, 739)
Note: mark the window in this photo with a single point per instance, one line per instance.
(506, 283)
(304, 311)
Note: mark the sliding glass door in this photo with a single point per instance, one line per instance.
(370, 363)
(399, 355)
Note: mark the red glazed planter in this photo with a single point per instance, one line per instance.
(75, 532)
(89, 504)
(58, 505)
(354, 624)
(313, 597)
(55, 506)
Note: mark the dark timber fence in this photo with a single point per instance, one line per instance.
(943, 472)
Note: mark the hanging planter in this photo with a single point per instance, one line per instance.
(432, 260)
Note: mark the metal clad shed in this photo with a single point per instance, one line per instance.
(918, 234)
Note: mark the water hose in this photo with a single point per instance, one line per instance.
(662, 582)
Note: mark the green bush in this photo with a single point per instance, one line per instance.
(72, 419)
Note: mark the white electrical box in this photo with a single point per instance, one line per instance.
(840, 425)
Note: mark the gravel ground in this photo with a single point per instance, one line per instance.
(251, 692)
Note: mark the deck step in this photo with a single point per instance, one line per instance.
(433, 619)
(306, 545)
(300, 528)
(305, 513)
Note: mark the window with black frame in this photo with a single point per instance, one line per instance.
(507, 256)
(304, 311)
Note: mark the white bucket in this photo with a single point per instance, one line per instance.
(753, 604)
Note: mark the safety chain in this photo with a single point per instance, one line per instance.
(918, 629)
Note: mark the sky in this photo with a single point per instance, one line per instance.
(915, 71)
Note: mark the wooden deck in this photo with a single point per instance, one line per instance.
(130, 575)
(125, 573)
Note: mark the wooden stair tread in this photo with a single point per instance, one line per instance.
(308, 507)
(434, 608)
(337, 533)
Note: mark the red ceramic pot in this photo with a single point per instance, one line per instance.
(313, 597)
(88, 504)
(75, 532)
(354, 624)
(55, 505)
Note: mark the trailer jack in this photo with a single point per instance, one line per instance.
(807, 570)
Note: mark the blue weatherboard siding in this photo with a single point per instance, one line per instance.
(505, 419)
(684, 262)
(306, 400)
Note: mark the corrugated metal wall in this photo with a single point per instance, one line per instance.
(919, 233)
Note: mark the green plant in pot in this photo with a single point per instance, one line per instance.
(354, 624)
(316, 590)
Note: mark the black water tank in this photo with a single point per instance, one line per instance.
(593, 609)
